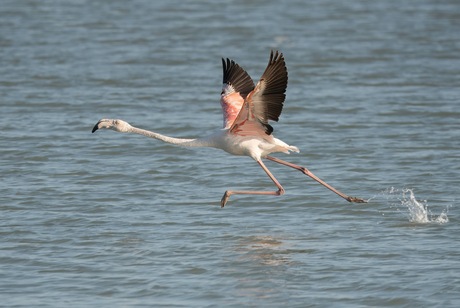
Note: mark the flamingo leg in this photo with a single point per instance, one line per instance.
(279, 192)
(317, 179)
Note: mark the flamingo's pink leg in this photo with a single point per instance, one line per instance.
(279, 192)
(317, 179)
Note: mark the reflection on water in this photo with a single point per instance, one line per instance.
(265, 250)
(262, 258)
(267, 262)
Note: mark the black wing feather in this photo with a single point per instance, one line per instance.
(237, 77)
(269, 94)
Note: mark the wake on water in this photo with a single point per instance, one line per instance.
(416, 210)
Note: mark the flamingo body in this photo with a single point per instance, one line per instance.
(248, 145)
(247, 110)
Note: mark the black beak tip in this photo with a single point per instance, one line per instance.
(95, 128)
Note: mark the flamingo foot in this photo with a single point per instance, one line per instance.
(356, 200)
(224, 199)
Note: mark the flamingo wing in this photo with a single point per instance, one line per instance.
(236, 86)
(265, 102)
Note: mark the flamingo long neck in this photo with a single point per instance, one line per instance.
(177, 141)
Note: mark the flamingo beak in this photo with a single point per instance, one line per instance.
(96, 127)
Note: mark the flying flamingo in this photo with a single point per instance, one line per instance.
(246, 112)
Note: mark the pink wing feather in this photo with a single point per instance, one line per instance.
(236, 86)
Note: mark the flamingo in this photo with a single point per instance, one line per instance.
(247, 110)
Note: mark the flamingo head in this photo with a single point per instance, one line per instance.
(114, 124)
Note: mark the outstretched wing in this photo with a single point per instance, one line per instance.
(265, 102)
(236, 86)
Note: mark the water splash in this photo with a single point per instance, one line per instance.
(416, 210)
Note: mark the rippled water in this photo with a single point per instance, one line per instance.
(111, 220)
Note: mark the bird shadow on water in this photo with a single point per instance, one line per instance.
(416, 211)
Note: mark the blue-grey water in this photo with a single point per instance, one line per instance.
(112, 220)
